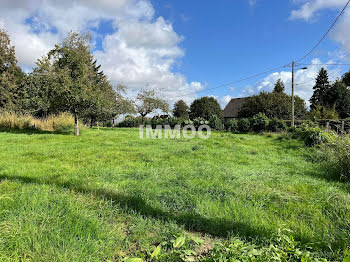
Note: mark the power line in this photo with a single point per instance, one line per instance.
(274, 69)
(235, 82)
(319, 42)
(333, 66)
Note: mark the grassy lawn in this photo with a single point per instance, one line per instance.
(107, 195)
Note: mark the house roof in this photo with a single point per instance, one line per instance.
(234, 106)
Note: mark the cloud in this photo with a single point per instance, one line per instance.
(311, 8)
(304, 80)
(140, 51)
(225, 100)
(252, 2)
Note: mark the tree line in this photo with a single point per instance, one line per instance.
(68, 79)
(329, 101)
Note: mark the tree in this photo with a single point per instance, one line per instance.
(73, 86)
(346, 79)
(37, 92)
(338, 99)
(205, 107)
(103, 104)
(181, 109)
(322, 112)
(321, 89)
(11, 76)
(147, 101)
(279, 86)
(273, 105)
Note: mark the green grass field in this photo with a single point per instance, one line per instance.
(108, 195)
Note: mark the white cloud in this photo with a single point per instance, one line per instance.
(141, 51)
(304, 80)
(310, 9)
(225, 100)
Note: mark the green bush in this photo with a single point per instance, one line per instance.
(199, 121)
(130, 121)
(216, 123)
(276, 125)
(259, 122)
(232, 125)
(311, 135)
(244, 125)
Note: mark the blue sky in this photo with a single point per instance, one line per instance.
(234, 39)
(182, 47)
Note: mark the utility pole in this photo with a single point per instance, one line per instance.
(293, 64)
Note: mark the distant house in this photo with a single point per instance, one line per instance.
(159, 116)
(233, 107)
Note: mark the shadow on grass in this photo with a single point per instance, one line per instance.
(190, 220)
(34, 132)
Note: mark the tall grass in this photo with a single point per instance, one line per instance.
(55, 123)
(335, 158)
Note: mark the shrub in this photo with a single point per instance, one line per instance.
(232, 125)
(244, 125)
(199, 121)
(216, 123)
(130, 121)
(311, 135)
(276, 125)
(259, 122)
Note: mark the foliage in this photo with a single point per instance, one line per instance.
(321, 112)
(321, 88)
(181, 109)
(311, 135)
(171, 121)
(273, 104)
(346, 79)
(72, 71)
(11, 75)
(148, 100)
(259, 122)
(282, 247)
(130, 121)
(199, 121)
(232, 125)
(279, 86)
(216, 123)
(338, 98)
(276, 125)
(205, 107)
(244, 125)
